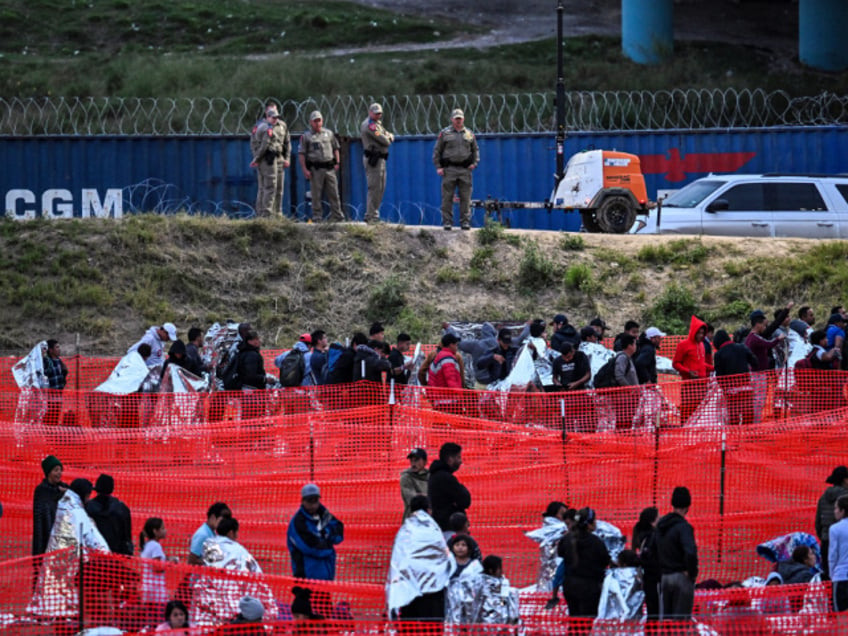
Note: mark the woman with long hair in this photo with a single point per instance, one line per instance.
(154, 593)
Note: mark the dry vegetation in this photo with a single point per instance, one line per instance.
(110, 280)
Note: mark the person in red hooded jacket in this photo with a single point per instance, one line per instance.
(690, 360)
(445, 372)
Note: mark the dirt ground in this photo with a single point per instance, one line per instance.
(771, 25)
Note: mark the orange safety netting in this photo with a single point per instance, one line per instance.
(173, 455)
(97, 589)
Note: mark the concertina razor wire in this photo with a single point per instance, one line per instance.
(426, 114)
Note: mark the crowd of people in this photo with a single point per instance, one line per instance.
(455, 156)
(568, 362)
(438, 571)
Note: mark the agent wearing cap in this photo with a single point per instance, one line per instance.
(413, 481)
(375, 145)
(838, 487)
(455, 155)
(156, 337)
(312, 537)
(44, 501)
(319, 160)
(270, 147)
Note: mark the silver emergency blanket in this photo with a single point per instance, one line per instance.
(654, 408)
(56, 590)
(29, 371)
(712, 410)
(798, 349)
(216, 598)
(421, 562)
(127, 376)
(219, 344)
(461, 598)
(180, 401)
(548, 538)
(526, 370)
(621, 595)
(598, 356)
(611, 536)
(665, 367)
(496, 602)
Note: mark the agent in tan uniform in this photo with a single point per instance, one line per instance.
(266, 149)
(319, 159)
(375, 145)
(455, 155)
(281, 132)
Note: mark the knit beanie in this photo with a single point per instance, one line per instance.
(251, 608)
(49, 463)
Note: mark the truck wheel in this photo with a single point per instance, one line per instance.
(616, 215)
(590, 223)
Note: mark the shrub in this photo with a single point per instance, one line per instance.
(386, 301)
(490, 233)
(672, 310)
(535, 271)
(572, 243)
(579, 276)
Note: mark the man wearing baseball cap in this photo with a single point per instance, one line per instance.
(413, 481)
(319, 160)
(156, 337)
(375, 145)
(312, 537)
(455, 155)
(645, 359)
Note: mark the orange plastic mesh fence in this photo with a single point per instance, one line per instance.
(63, 591)
(174, 469)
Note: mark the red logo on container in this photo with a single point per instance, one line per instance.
(676, 168)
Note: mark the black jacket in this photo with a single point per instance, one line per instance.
(374, 365)
(585, 556)
(490, 370)
(44, 501)
(676, 546)
(564, 334)
(792, 572)
(112, 517)
(646, 361)
(251, 367)
(397, 361)
(447, 495)
(193, 363)
(342, 372)
(733, 358)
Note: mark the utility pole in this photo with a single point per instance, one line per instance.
(560, 100)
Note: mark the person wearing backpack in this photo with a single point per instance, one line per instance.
(251, 375)
(625, 397)
(342, 371)
(292, 363)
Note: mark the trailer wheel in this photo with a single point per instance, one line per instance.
(590, 222)
(616, 215)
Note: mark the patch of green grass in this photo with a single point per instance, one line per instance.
(672, 310)
(448, 274)
(572, 243)
(579, 276)
(677, 252)
(490, 233)
(535, 270)
(481, 259)
(387, 300)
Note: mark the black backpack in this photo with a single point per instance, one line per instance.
(605, 377)
(230, 376)
(649, 556)
(293, 368)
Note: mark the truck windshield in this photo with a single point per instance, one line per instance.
(692, 194)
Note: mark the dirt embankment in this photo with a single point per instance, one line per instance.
(108, 281)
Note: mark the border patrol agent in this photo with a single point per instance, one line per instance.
(375, 145)
(267, 150)
(455, 155)
(319, 159)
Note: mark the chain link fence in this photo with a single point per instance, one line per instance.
(426, 114)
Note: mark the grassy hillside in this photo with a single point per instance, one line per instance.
(229, 48)
(109, 280)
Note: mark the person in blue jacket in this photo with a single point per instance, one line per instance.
(312, 536)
